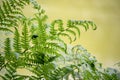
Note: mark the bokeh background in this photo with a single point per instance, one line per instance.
(104, 43)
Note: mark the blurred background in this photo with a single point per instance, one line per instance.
(104, 43)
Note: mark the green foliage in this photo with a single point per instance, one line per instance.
(10, 13)
(2, 61)
(72, 26)
(17, 44)
(25, 36)
(7, 47)
(5, 29)
(12, 74)
(38, 47)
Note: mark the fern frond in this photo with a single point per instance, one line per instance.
(72, 32)
(56, 46)
(72, 26)
(5, 29)
(52, 30)
(8, 6)
(2, 61)
(49, 50)
(41, 30)
(56, 26)
(62, 43)
(58, 41)
(7, 47)
(17, 44)
(11, 11)
(85, 24)
(9, 56)
(77, 29)
(43, 71)
(2, 13)
(5, 8)
(60, 24)
(67, 35)
(35, 5)
(57, 74)
(25, 37)
(94, 27)
(63, 73)
(11, 74)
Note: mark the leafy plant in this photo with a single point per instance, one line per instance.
(38, 47)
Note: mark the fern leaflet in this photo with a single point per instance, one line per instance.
(17, 44)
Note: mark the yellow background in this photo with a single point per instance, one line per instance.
(104, 43)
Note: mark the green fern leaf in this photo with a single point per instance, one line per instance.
(72, 32)
(60, 24)
(10, 10)
(8, 5)
(20, 3)
(77, 29)
(2, 61)
(85, 25)
(4, 78)
(53, 31)
(17, 45)
(67, 35)
(5, 29)
(2, 15)
(57, 40)
(41, 31)
(56, 46)
(11, 73)
(94, 27)
(5, 7)
(25, 37)
(7, 47)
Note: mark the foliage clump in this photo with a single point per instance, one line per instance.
(39, 48)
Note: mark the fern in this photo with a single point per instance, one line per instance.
(2, 62)
(43, 71)
(39, 48)
(44, 44)
(41, 28)
(11, 11)
(5, 29)
(9, 56)
(85, 24)
(25, 36)
(12, 74)
(17, 44)
(71, 27)
(7, 47)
